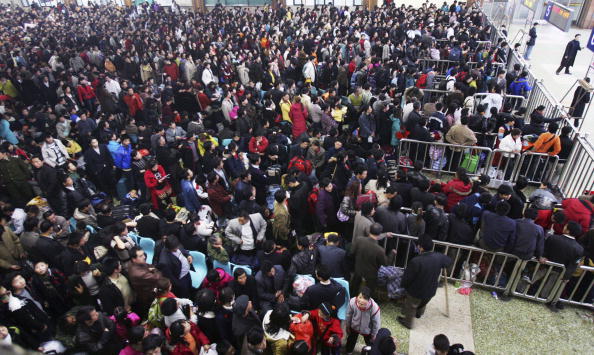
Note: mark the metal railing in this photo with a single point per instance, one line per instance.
(577, 176)
(537, 167)
(506, 273)
(538, 282)
(502, 166)
(443, 157)
(579, 290)
(443, 65)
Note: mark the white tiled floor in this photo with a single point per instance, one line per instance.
(546, 57)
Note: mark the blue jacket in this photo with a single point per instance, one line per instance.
(529, 239)
(366, 125)
(519, 87)
(6, 133)
(123, 157)
(190, 197)
(498, 232)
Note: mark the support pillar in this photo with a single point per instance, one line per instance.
(586, 19)
(199, 6)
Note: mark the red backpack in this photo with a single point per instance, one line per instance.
(422, 81)
(300, 164)
(369, 196)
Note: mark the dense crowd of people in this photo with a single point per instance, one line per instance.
(264, 139)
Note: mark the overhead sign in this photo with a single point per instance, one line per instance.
(559, 16)
(531, 4)
(590, 44)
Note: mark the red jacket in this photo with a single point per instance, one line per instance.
(576, 210)
(134, 103)
(152, 184)
(183, 349)
(256, 147)
(218, 197)
(216, 287)
(298, 114)
(326, 329)
(455, 190)
(172, 70)
(85, 92)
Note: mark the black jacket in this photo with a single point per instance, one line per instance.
(95, 339)
(318, 293)
(95, 163)
(148, 227)
(529, 239)
(422, 274)
(48, 249)
(437, 223)
(460, 232)
(334, 258)
(110, 297)
(250, 289)
(564, 250)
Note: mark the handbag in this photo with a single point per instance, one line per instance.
(470, 162)
(341, 216)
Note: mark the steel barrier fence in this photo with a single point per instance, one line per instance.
(442, 157)
(538, 282)
(500, 165)
(506, 273)
(433, 95)
(577, 176)
(537, 167)
(579, 290)
(443, 65)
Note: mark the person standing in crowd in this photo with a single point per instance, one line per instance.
(363, 318)
(581, 98)
(531, 41)
(571, 50)
(420, 280)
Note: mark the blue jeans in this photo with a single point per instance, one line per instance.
(528, 52)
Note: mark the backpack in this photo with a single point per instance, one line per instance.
(369, 196)
(422, 81)
(455, 54)
(443, 85)
(410, 81)
(300, 164)
(312, 200)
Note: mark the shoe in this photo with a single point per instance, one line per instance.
(402, 322)
(553, 308)
(560, 305)
(418, 316)
(504, 298)
(557, 72)
(567, 72)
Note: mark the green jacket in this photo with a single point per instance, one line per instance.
(218, 254)
(13, 170)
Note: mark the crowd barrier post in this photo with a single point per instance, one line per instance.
(577, 176)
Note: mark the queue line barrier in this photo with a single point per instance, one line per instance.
(506, 273)
(501, 166)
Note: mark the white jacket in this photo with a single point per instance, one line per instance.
(207, 76)
(309, 71)
(49, 156)
(508, 144)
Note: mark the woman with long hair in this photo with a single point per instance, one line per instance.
(276, 325)
(347, 210)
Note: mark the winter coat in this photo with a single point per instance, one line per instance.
(391, 277)
(456, 190)
(281, 225)
(95, 339)
(11, 249)
(298, 114)
(216, 287)
(421, 276)
(580, 211)
(364, 321)
(199, 337)
(326, 209)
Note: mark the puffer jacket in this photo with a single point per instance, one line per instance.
(364, 321)
(303, 263)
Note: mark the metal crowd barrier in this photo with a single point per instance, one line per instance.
(442, 65)
(577, 176)
(433, 95)
(516, 101)
(442, 157)
(537, 167)
(538, 282)
(498, 270)
(579, 290)
(503, 166)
